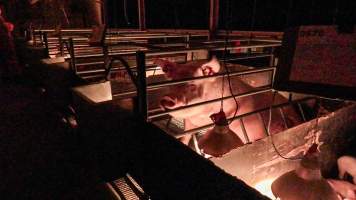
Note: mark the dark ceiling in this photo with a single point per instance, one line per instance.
(270, 15)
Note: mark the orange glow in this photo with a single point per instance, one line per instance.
(265, 188)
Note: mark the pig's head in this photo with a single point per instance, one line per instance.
(191, 92)
(175, 71)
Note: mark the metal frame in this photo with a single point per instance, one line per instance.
(195, 130)
(115, 55)
(151, 115)
(143, 87)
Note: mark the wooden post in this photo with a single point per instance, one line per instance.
(141, 14)
(214, 17)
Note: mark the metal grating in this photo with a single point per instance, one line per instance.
(127, 188)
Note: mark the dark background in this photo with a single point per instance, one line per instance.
(270, 15)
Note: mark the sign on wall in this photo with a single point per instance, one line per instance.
(318, 60)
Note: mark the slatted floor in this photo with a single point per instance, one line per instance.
(127, 188)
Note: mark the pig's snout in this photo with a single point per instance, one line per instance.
(171, 102)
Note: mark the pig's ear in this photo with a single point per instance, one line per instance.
(211, 67)
(164, 64)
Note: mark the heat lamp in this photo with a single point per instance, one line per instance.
(305, 182)
(220, 139)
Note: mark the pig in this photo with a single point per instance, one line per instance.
(343, 188)
(346, 164)
(207, 89)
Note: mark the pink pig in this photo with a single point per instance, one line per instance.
(346, 164)
(207, 89)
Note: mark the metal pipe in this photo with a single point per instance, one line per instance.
(271, 62)
(125, 94)
(45, 40)
(221, 47)
(195, 130)
(128, 69)
(192, 49)
(246, 57)
(264, 124)
(301, 112)
(254, 33)
(218, 75)
(283, 118)
(247, 139)
(70, 47)
(141, 14)
(213, 17)
(129, 53)
(141, 84)
(246, 94)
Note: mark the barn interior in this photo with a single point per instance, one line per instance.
(204, 99)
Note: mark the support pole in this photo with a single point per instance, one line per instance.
(141, 84)
(94, 12)
(213, 18)
(141, 14)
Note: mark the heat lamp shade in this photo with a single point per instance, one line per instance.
(290, 186)
(219, 140)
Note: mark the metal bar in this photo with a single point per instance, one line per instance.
(264, 124)
(135, 44)
(218, 75)
(125, 94)
(266, 89)
(66, 45)
(283, 117)
(90, 71)
(221, 47)
(141, 84)
(187, 40)
(45, 40)
(129, 71)
(168, 51)
(195, 142)
(107, 62)
(301, 112)
(41, 38)
(244, 131)
(141, 14)
(165, 35)
(271, 61)
(213, 17)
(250, 56)
(99, 55)
(240, 116)
(255, 33)
(117, 191)
(136, 191)
(202, 32)
(60, 40)
(267, 40)
(72, 55)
